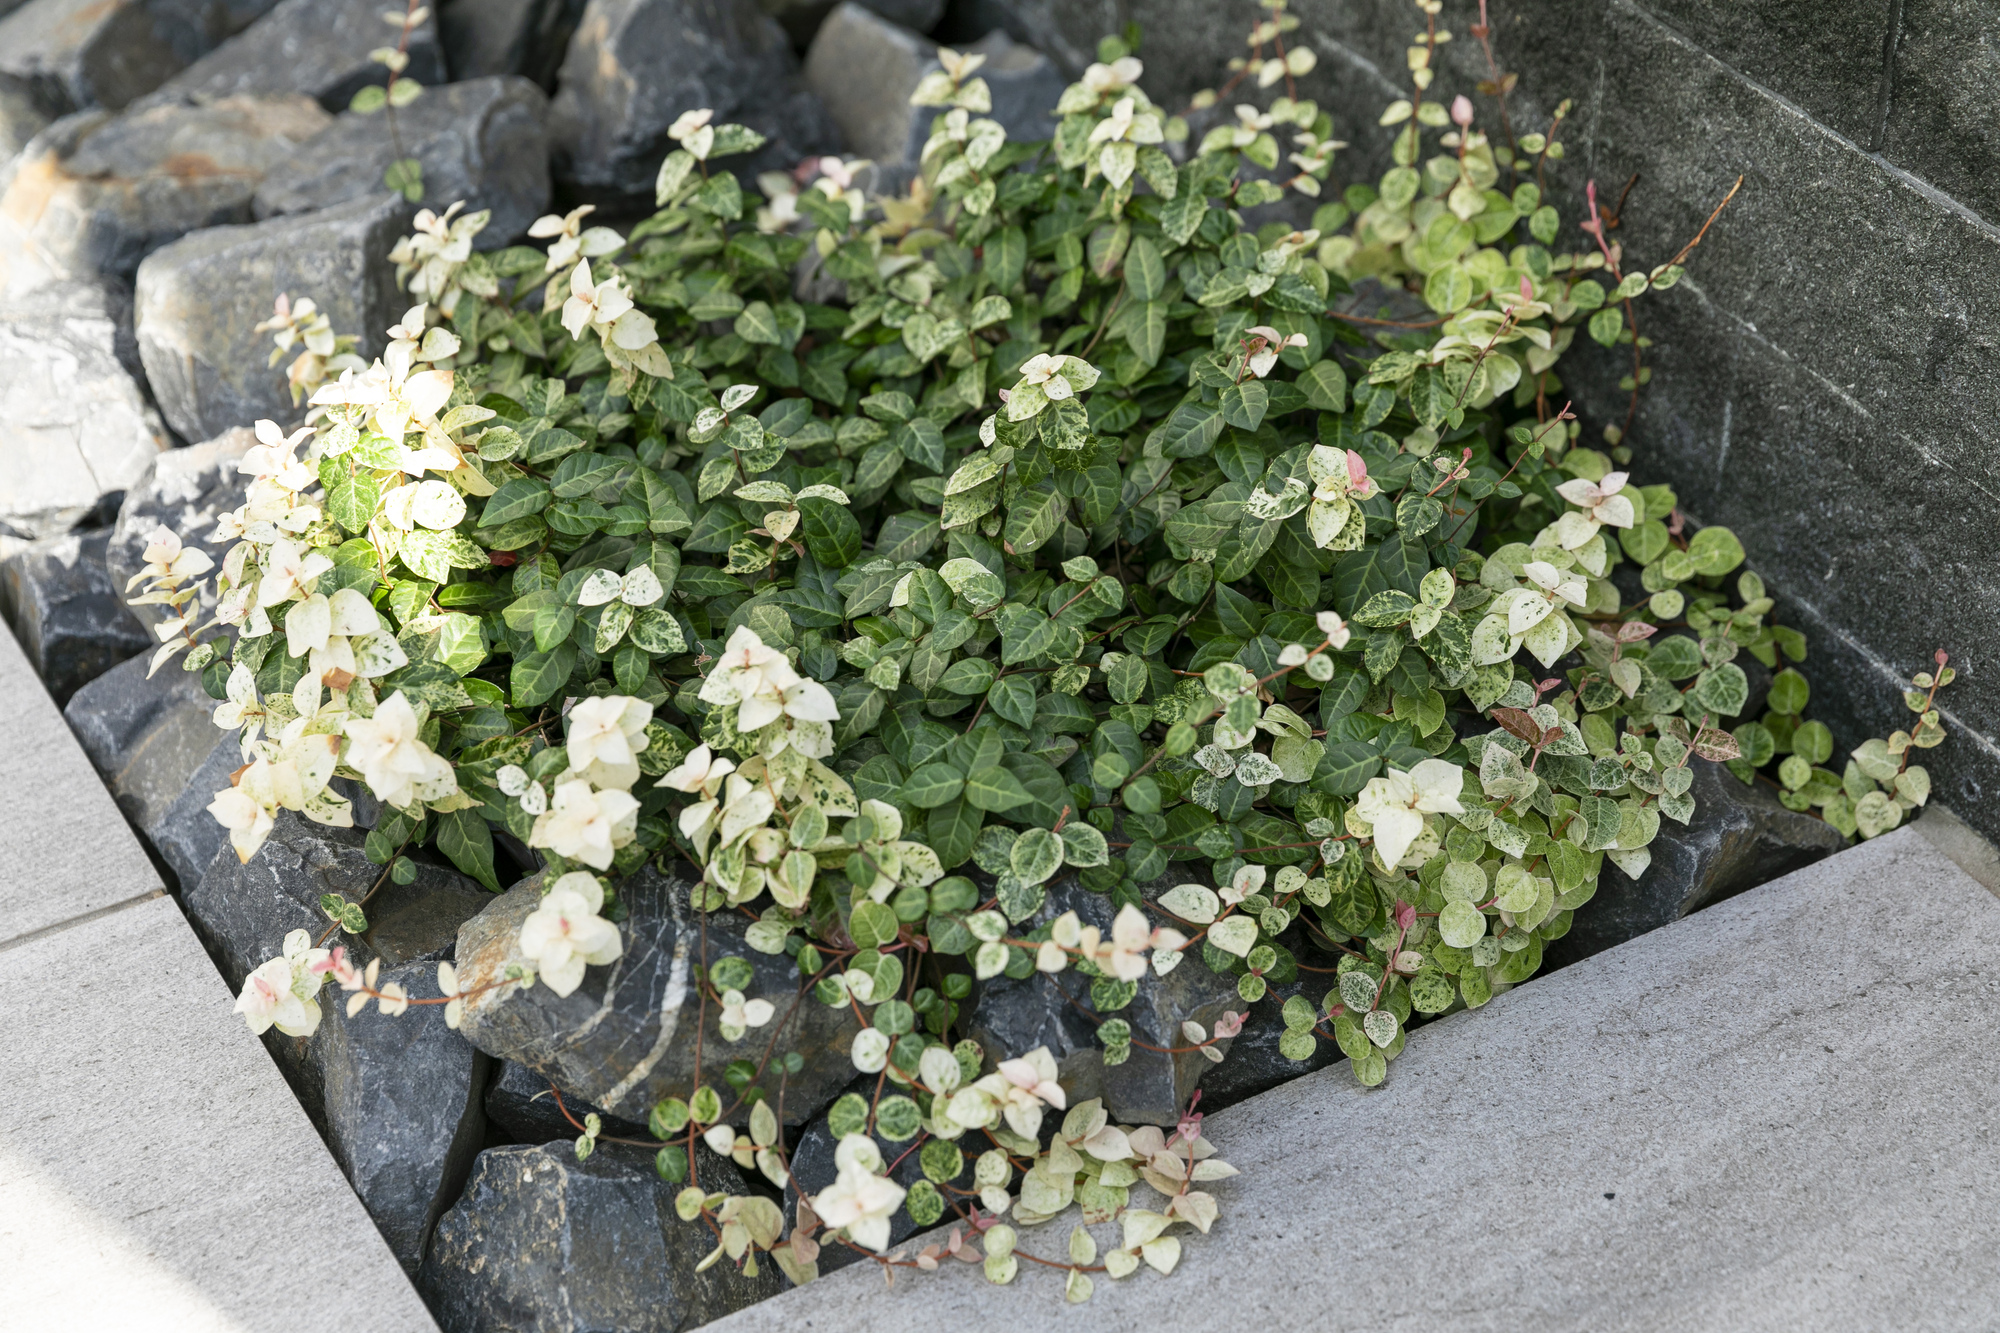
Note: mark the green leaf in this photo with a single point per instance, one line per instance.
(1244, 405)
(952, 829)
(515, 499)
(464, 837)
(1606, 325)
(995, 789)
(1715, 551)
(351, 500)
(831, 532)
(1790, 693)
(1145, 271)
(873, 924)
(537, 677)
(933, 785)
(1325, 386)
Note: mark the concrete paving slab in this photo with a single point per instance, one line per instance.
(155, 1171)
(64, 849)
(1774, 1115)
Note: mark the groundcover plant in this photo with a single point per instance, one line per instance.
(1075, 526)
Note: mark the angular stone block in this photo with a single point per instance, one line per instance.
(65, 612)
(813, 1169)
(315, 47)
(802, 19)
(625, 1037)
(79, 428)
(635, 65)
(98, 193)
(184, 490)
(400, 1102)
(482, 142)
(242, 912)
(865, 67)
(526, 37)
(1011, 1017)
(543, 1241)
(1945, 76)
(200, 299)
(1740, 837)
(522, 1104)
(146, 736)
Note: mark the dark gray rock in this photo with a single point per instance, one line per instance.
(316, 47)
(1945, 75)
(186, 835)
(70, 620)
(483, 142)
(184, 490)
(801, 19)
(1012, 1017)
(80, 430)
(146, 736)
(200, 299)
(74, 55)
(525, 37)
(865, 67)
(1740, 837)
(242, 912)
(541, 1242)
(812, 1167)
(523, 1105)
(624, 1038)
(399, 1100)
(635, 65)
(1254, 1063)
(95, 194)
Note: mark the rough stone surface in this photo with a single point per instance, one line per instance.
(399, 1102)
(525, 37)
(53, 875)
(95, 194)
(65, 612)
(1768, 1143)
(315, 47)
(519, 1102)
(243, 912)
(813, 1168)
(865, 67)
(1011, 1017)
(71, 55)
(1740, 837)
(635, 65)
(185, 490)
(801, 19)
(483, 142)
(200, 299)
(146, 737)
(219, 1206)
(619, 1039)
(79, 428)
(1254, 1063)
(541, 1241)
(186, 836)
